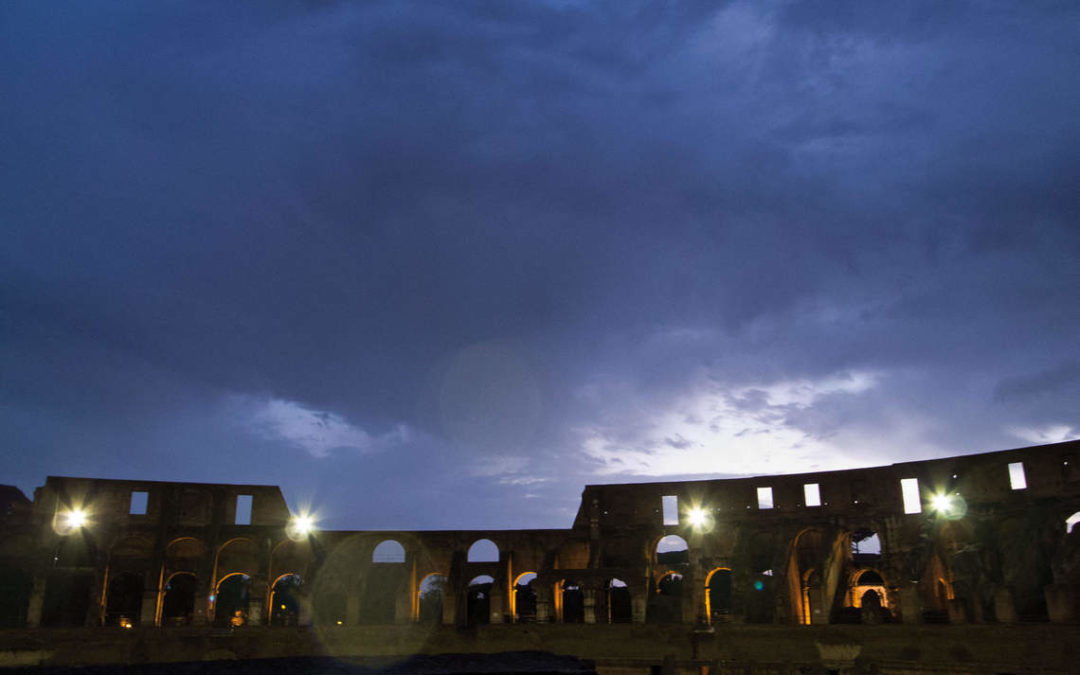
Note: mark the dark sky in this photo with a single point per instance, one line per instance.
(441, 264)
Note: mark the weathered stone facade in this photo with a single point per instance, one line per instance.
(156, 553)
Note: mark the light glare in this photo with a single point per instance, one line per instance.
(942, 503)
(697, 517)
(76, 518)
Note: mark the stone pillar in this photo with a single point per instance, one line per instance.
(1004, 609)
(403, 606)
(450, 604)
(911, 604)
(200, 615)
(352, 607)
(639, 603)
(495, 603)
(819, 610)
(957, 610)
(255, 612)
(95, 613)
(37, 601)
(590, 604)
(148, 614)
(1060, 603)
(544, 604)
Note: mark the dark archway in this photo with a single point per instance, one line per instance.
(525, 598)
(123, 600)
(232, 601)
(666, 604)
(285, 600)
(178, 605)
(620, 609)
(432, 591)
(15, 587)
(478, 601)
(718, 595)
(67, 599)
(573, 602)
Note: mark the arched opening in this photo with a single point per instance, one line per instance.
(483, 550)
(525, 598)
(666, 604)
(478, 601)
(15, 587)
(1071, 522)
(67, 599)
(942, 594)
(571, 601)
(620, 609)
(123, 600)
(672, 550)
(718, 595)
(866, 600)
(285, 600)
(178, 605)
(432, 591)
(232, 600)
(865, 546)
(388, 552)
(811, 597)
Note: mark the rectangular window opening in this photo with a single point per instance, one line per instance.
(764, 498)
(243, 509)
(812, 493)
(671, 509)
(909, 488)
(1017, 480)
(139, 500)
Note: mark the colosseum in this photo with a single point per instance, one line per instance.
(969, 563)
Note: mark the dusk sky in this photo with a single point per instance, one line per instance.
(442, 264)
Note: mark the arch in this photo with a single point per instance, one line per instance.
(1071, 522)
(239, 555)
(178, 602)
(483, 550)
(123, 600)
(864, 581)
(388, 551)
(665, 605)
(285, 600)
(718, 595)
(672, 550)
(524, 599)
(478, 600)
(811, 596)
(232, 600)
(865, 545)
(16, 586)
(619, 607)
(569, 601)
(431, 596)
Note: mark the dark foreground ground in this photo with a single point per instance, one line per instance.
(530, 662)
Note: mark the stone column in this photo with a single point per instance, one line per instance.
(911, 604)
(352, 606)
(1004, 608)
(495, 603)
(639, 601)
(590, 604)
(957, 610)
(37, 601)
(1060, 603)
(544, 604)
(148, 614)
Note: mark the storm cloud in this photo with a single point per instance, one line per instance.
(440, 264)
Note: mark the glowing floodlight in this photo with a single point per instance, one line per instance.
(75, 518)
(300, 526)
(697, 517)
(941, 503)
